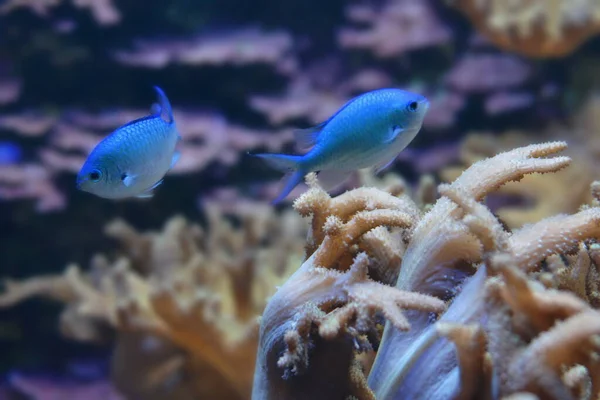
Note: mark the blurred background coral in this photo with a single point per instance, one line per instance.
(160, 299)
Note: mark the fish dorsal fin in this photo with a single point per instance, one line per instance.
(306, 138)
(164, 106)
(155, 109)
(160, 109)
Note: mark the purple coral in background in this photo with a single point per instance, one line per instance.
(396, 27)
(48, 388)
(241, 47)
(483, 73)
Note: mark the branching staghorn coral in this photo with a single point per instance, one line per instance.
(536, 28)
(184, 301)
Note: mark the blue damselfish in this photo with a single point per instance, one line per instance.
(132, 160)
(368, 131)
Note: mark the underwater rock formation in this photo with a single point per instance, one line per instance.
(503, 331)
(184, 301)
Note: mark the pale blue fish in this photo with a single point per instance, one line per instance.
(132, 160)
(368, 131)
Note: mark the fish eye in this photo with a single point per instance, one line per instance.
(95, 175)
(412, 106)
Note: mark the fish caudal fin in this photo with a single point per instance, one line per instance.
(163, 106)
(291, 180)
(285, 163)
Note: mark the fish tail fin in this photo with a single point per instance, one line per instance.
(289, 164)
(291, 180)
(163, 106)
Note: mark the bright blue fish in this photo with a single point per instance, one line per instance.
(10, 153)
(368, 131)
(132, 160)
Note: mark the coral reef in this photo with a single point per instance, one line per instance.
(330, 307)
(500, 325)
(397, 293)
(185, 301)
(481, 287)
(536, 28)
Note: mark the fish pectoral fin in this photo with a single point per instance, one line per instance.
(307, 138)
(128, 180)
(331, 179)
(155, 185)
(176, 157)
(393, 134)
(148, 193)
(385, 162)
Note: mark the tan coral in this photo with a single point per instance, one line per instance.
(532, 194)
(184, 301)
(536, 28)
(529, 324)
(475, 371)
(533, 331)
(331, 298)
(547, 333)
